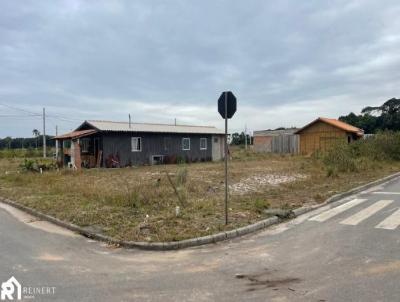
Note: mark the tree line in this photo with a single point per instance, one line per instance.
(375, 119)
(239, 138)
(26, 142)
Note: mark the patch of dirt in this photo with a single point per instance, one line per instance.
(49, 257)
(378, 269)
(265, 280)
(204, 267)
(256, 182)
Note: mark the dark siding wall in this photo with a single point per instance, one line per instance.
(154, 144)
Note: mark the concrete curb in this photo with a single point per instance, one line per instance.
(174, 245)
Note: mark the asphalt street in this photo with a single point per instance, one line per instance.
(346, 251)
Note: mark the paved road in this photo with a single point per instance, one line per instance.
(348, 251)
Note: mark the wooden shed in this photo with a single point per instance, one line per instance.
(276, 141)
(322, 133)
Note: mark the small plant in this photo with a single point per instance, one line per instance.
(182, 199)
(180, 160)
(36, 165)
(133, 199)
(181, 175)
(331, 172)
(29, 165)
(261, 204)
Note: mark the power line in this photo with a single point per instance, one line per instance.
(18, 115)
(31, 113)
(19, 109)
(63, 117)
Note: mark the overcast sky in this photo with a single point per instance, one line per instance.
(287, 62)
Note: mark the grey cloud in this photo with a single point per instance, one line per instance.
(287, 61)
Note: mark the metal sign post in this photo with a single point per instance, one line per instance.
(226, 158)
(226, 108)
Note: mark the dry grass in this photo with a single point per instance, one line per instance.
(139, 203)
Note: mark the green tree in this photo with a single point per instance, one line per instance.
(239, 139)
(36, 134)
(7, 141)
(373, 119)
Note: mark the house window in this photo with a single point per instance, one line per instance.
(84, 142)
(186, 143)
(136, 144)
(203, 143)
(67, 144)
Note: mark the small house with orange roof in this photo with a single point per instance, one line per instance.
(323, 132)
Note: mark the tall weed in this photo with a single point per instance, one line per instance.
(362, 154)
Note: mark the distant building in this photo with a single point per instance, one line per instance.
(322, 133)
(276, 141)
(120, 144)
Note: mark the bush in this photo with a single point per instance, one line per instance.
(331, 171)
(361, 155)
(261, 204)
(180, 160)
(341, 158)
(34, 165)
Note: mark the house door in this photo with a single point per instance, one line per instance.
(96, 147)
(217, 149)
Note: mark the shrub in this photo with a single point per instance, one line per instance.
(180, 160)
(384, 145)
(362, 154)
(34, 165)
(181, 175)
(340, 157)
(331, 171)
(261, 204)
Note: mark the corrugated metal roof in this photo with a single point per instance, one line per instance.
(76, 134)
(274, 132)
(144, 127)
(336, 123)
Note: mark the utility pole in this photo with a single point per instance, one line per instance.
(44, 133)
(56, 143)
(129, 120)
(245, 136)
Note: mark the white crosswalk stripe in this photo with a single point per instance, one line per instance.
(367, 212)
(335, 211)
(390, 223)
(387, 193)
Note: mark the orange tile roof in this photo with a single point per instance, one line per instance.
(76, 134)
(335, 123)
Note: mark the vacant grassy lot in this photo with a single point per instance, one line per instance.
(140, 203)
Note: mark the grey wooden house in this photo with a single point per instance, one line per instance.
(120, 144)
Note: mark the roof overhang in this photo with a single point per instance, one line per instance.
(76, 134)
(335, 123)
